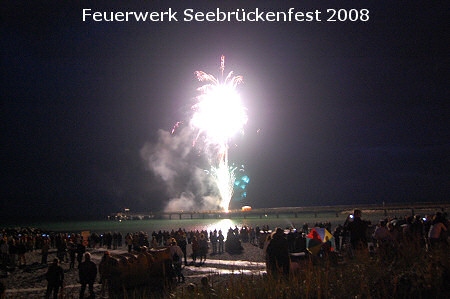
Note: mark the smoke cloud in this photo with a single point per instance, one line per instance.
(178, 164)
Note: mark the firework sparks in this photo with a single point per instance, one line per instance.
(218, 116)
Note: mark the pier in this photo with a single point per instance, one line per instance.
(295, 212)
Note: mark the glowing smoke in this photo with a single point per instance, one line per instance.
(217, 116)
(173, 159)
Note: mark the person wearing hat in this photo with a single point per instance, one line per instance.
(87, 274)
(55, 279)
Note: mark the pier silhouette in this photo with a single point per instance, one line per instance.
(386, 209)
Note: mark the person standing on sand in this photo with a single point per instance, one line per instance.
(129, 241)
(213, 239)
(358, 230)
(81, 249)
(72, 248)
(221, 240)
(265, 246)
(203, 248)
(195, 249)
(104, 269)
(278, 253)
(21, 250)
(437, 230)
(177, 255)
(183, 244)
(55, 279)
(44, 251)
(87, 274)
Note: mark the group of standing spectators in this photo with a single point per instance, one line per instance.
(390, 235)
(277, 253)
(428, 233)
(13, 249)
(87, 271)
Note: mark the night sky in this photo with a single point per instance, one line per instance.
(339, 112)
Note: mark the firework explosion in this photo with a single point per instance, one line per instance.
(218, 116)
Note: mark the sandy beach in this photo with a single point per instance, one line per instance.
(29, 281)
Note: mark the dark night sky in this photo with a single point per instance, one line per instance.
(349, 113)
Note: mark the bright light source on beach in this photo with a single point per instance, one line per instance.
(224, 225)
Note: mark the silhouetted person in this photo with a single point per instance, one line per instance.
(213, 239)
(358, 230)
(21, 250)
(72, 248)
(195, 249)
(203, 248)
(278, 253)
(104, 269)
(437, 231)
(81, 249)
(183, 244)
(55, 279)
(177, 255)
(221, 239)
(87, 273)
(44, 251)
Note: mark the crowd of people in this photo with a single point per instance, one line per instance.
(383, 240)
(390, 236)
(428, 232)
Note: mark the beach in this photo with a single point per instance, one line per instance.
(30, 282)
